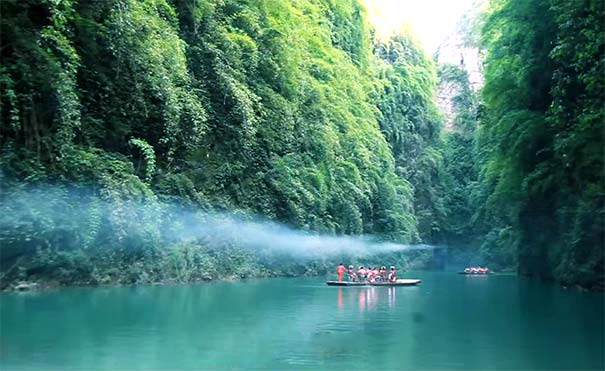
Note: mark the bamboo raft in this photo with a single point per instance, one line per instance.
(399, 282)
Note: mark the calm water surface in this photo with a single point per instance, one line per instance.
(449, 322)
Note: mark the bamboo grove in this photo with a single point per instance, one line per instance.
(117, 114)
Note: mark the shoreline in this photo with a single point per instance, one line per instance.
(45, 286)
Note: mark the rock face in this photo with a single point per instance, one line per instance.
(456, 50)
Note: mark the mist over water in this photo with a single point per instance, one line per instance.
(87, 218)
(268, 236)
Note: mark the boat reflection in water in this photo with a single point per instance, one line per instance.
(392, 293)
(367, 297)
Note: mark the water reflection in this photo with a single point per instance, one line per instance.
(367, 298)
(392, 292)
(362, 300)
(281, 324)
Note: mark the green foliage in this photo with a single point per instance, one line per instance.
(290, 110)
(148, 156)
(459, 176)
(258, 104)
(410, 122)
(293, 133)
(261, 105)
(541, 141)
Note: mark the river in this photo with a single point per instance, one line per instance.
(450, 322)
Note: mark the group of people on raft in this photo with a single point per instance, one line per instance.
(367, 274)
(476, 270)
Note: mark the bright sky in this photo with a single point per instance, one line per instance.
(431, 21)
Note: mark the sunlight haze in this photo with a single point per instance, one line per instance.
(429, 20)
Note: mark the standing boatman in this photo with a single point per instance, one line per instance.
(340, 271)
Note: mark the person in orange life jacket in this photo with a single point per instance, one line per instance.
(340, 271)
(352, 274)
(383, 273)
(392, 277)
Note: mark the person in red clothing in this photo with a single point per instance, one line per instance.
(361, 273)
(369, 275)
(340, 271)
(373, 273)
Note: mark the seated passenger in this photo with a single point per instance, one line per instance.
(352, 275)
(371, 275)
(392, 277)
(361, 273)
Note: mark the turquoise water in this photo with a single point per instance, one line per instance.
(451, 322)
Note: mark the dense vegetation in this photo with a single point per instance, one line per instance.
(541, 139)
(118, 117)
(459, 176)
(524, 177)
(268, 107)
(410, 122)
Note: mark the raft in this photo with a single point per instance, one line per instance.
(475, 274)
(399, 282)
(346, 283)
